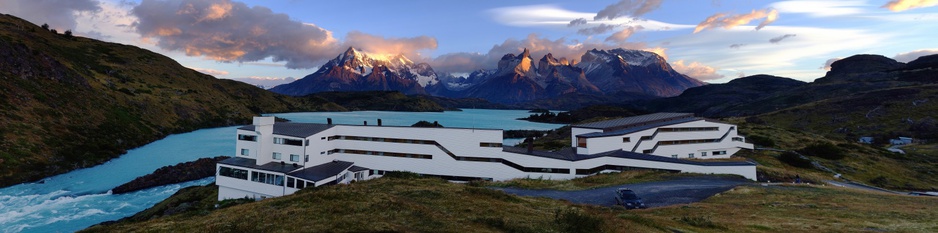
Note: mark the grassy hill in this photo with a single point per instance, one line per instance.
(70, 102)
(433, 205)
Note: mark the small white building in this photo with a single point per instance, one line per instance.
(901, 141)
(274, 159)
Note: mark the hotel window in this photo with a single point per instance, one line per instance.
(674, 156)
(645, 138)
(290, 182)
(276, 156)
(738, 139)
(294, 158)
(691, 155)
(626, 139)
(285, 141)
(245, 152)
(490, 144)
(306, 158)
(722, 152)
(243, 137)
(581, 142)
(233, 173)
(703, 153)
(646, 151)
(261, 177)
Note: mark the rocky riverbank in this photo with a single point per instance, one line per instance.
(182, 172)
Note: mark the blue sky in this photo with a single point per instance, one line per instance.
(268, 42)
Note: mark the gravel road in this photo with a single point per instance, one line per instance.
(655, 194)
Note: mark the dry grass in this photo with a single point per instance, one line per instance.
(432, 205)
(800, 208)
(863, 163)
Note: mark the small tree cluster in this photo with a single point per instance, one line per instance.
(795, 160)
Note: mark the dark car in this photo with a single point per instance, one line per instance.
(627, 198)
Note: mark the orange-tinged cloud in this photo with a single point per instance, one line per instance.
(231, 31)
(378, 45)
(730, 21)
(902, 5)
(624, 34)
(696, 70)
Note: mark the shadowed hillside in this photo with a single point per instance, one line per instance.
(72, 102)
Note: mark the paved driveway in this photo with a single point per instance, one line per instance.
(655, 194)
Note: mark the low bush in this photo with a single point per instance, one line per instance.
(795, 160)
(761, 141)
(571, 220)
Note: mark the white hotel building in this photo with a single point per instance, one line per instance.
(276, 158)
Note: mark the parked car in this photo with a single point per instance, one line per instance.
(627, 198)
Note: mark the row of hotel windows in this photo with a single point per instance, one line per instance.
(704, 154)
(381, 153)
(687, 129)
(276, 155)
(259, 177)
(399, 140)
(282, 141)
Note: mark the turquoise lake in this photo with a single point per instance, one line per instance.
(76, 200)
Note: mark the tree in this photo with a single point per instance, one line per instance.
(45, 26)
(54, 31)
(68, 33)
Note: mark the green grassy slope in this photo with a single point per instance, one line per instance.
(432, 205)
(72, 102)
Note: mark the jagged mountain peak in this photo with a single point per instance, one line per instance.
(629, 56)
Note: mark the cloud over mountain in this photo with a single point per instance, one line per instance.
(59, 14)
(729, 21)
(231, 31)
(902, 5)
(631, 8)
(775, 40)
(911, 56)
(696, 70)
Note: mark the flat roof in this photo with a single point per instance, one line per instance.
(300, 130)
(570, 154)
(322, 171)
(638, 128)
(623, 123)
(252, 163)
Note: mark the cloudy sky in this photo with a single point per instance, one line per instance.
(274, 41)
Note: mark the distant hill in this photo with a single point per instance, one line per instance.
(862, 95)
(724, 99)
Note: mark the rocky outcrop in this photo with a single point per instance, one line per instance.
(182, 172)
(863, 67)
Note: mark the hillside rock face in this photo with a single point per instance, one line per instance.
(518, 78)
(635, 71)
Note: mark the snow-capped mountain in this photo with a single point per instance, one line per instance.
(636, 71)
(518, 78)
(354, 70)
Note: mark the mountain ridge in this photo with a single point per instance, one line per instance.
(518, 78)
